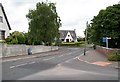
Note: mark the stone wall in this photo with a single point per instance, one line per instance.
(107, 51)
(15, 50)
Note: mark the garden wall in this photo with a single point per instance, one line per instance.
(15, 50)
(107, 51)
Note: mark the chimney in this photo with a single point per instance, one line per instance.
(75, 30)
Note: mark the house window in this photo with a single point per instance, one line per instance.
(1, 19)
(2, 35)
(68, 35)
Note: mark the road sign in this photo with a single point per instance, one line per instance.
(104, 39)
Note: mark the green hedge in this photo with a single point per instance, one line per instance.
(72, 43)
(114, 57)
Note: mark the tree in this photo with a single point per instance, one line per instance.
(106, 24)
(44, 23)
(16, 38)
(80, 39)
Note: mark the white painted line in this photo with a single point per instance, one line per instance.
(18, 65)
(77, 57)
(60, 55)
(21, 64)
(59, 64)
(68, 60)
(31, 63)
(83, 60)
(14, 59)
(12, 67)
(26, 57)
(19, 58)
(48, 58)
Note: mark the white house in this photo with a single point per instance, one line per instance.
(68, 35)
(4, 24)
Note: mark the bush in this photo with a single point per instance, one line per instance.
(71, 44)
(114, 57)
(16, 38)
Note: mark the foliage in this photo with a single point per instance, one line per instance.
(2, 41)
(80, 39)
(114, 57)
(44, 24)
(16, 38)
(106, 24)
(72, 43)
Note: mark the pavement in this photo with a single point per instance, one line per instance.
(94, 57)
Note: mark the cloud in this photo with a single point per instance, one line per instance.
(73, 13)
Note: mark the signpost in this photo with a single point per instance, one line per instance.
(105, 39)
(85, 38)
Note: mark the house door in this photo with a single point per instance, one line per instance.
(67, 40)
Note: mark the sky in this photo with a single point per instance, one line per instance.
(73, 13)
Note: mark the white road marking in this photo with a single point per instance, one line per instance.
(12, 67)
(31, 62)
(22, 64)
(48, 58)
(60, 55)
(18, 65)
(67, 61)
(18, 59)
(77, 57)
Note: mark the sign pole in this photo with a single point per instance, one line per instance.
(106, 42)
(85, 38)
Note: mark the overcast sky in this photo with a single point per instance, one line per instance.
(73, 13)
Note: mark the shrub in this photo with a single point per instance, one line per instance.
(71, 44)
(16, 38)
(114, 57)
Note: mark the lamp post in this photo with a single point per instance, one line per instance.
(85, 38)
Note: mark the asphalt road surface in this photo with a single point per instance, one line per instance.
(62, 65)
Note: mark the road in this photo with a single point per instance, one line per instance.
(62, 65)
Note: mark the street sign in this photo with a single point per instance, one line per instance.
(104, 39)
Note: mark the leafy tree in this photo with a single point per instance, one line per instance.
(106, 24)
(44, 23)
(80, 39)
(16, 38)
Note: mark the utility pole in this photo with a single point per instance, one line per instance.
(85, 38)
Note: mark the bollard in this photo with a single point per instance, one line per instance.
(29, 51)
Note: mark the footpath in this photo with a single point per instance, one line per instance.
(94, 57)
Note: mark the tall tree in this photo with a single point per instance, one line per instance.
(106, 24)
(44, 23)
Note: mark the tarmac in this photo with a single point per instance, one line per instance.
(92, 57)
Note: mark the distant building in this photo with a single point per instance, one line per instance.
(68, 36)
(4, 24)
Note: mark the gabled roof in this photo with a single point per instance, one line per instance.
(63, 33)
(5, 15)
